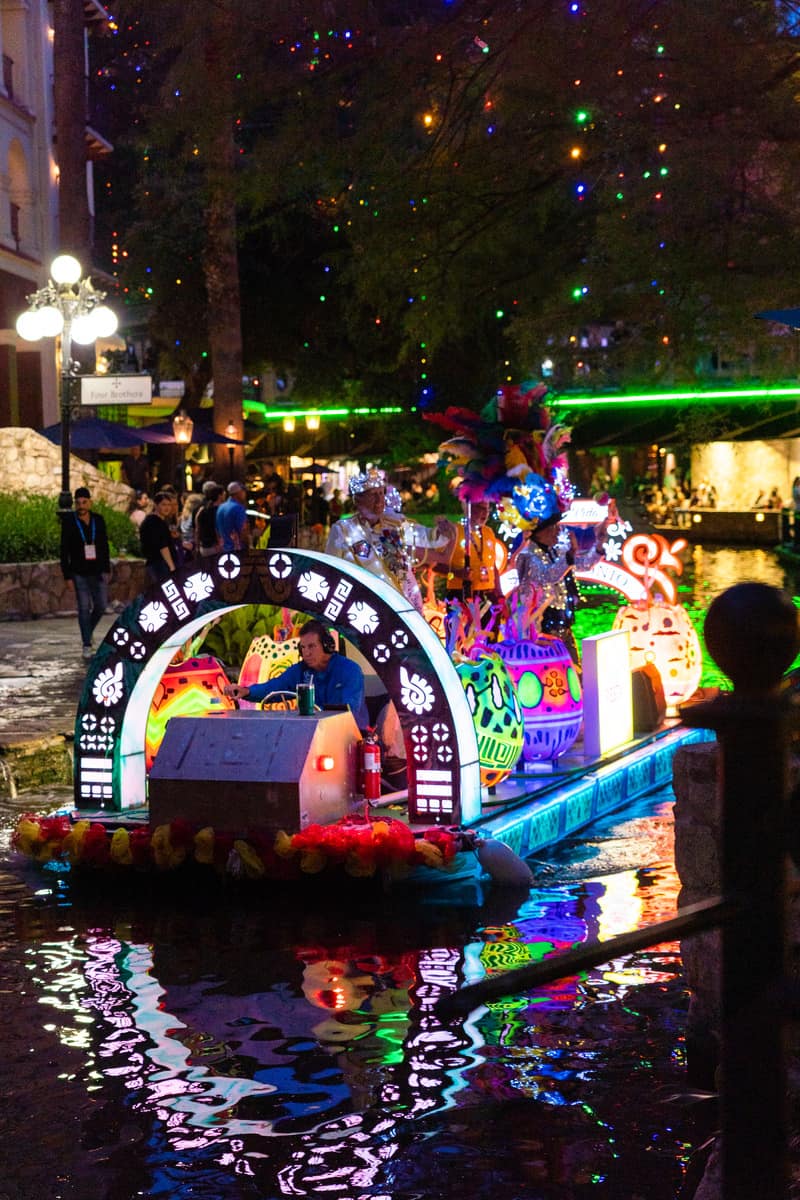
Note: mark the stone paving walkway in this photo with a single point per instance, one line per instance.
(41, 675)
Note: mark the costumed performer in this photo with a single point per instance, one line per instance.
(382, 540)
(548, 592)
(478, 558)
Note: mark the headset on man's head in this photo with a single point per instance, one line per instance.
(326, 638)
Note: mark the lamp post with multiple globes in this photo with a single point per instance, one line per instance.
(72, 307)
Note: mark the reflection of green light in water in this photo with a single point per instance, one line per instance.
(392, 1029)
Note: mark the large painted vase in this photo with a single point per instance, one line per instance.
(663, 634)
(492, 700)
(267, 659)
(194, 688)
(549, 693)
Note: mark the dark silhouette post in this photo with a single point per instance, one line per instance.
(751, 632)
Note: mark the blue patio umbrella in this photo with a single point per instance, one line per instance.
(782, 316)
(93, 433)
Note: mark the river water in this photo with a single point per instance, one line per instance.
(287, 1044)
(194, 1046)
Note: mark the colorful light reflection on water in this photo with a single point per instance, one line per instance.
(289, 1052)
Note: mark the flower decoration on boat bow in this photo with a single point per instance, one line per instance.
(360, 845)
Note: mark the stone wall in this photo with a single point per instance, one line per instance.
(30, 465)
(695, 778)
(696, 782)
(39, 590)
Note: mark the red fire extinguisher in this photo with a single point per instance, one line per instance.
(370, 765)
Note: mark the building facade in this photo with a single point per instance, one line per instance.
(29, 194)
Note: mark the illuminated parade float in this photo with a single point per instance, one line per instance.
(508, 745)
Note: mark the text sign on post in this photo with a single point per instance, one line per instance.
(607, 693)
(116, 389)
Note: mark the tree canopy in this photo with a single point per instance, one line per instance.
(424, 199)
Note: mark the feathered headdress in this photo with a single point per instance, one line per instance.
(511, 438)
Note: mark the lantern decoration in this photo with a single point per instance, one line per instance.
(266, 659)
(549, 693)
(192, 688)
(496, 713)
(663, 634)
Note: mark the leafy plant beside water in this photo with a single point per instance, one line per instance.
(30, 530)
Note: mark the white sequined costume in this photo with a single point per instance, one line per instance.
(388, 549)
(548, 588)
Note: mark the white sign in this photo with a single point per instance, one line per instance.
(116, 389)
(607, 693)
(172, 389)
(584, 512)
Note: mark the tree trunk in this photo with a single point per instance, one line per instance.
(221, 263)
(69, 98)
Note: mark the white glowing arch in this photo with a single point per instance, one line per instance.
(444, 777)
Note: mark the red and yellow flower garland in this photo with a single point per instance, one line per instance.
(362, 846)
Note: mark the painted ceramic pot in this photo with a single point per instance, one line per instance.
(192, 688)
(549, 693)
(266, 659)
(496, 712)
(663, 634)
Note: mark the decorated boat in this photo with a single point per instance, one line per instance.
(252, 794)
(171, 775)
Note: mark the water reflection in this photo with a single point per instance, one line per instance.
(300, 1050)
(203, 1049)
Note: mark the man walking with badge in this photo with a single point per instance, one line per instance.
(86, 562)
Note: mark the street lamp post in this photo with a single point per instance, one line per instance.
(182, 426)
(72, 307)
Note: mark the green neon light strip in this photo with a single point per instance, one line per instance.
(278, 414)
(659, 399)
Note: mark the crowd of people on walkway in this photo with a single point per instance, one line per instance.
(370, 529)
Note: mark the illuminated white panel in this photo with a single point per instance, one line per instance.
(607, 693)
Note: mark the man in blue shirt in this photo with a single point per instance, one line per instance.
(337, 680)
(232, 524)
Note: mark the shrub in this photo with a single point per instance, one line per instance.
(30, 530)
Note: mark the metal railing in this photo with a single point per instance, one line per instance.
(752, 633)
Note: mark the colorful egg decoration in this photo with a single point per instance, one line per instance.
(193, 688)
(663, 634)
(549, 693)
(266, 659)
(496, 713)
